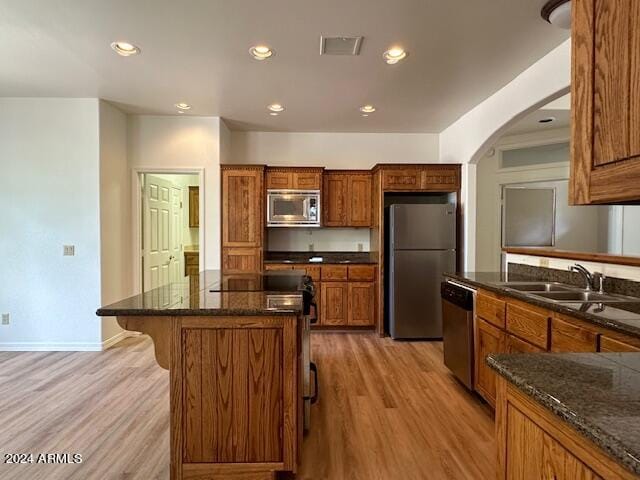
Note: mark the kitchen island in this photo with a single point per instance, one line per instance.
(232, 345)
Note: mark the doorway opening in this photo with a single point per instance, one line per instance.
(168, 218)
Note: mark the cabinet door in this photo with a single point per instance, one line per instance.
(489, 339)
(361, 303)
(532, 453)
(515, 345)
(194, 207)
(359, 195)
(613, 345)
(334, 303)
(242, 200)
(307, 181)
(605, 163)
(277, 266)
(569, 337)
(441, 179)
(334, 200)
(530, 324)
(241, 260)
(399, 179)
(279, 180)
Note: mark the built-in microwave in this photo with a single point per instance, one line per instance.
(293, 208)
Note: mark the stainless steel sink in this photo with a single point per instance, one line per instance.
(578, 296)
(540, 287)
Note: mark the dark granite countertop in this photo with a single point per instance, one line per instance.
(620, 316)
(598, 394)
(211, 294)
(327, 257)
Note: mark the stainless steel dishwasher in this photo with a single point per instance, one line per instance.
(458, 303)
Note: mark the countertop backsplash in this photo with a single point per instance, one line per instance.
(318, 239)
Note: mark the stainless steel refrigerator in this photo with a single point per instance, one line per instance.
(422, 246)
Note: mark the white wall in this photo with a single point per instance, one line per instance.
(49, 154)
(323, 239)
(467, 139)
(116, 269)
(332, 150)
(186, 142)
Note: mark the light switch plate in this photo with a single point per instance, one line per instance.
(68, 250)
(5, 319)
(359, 247)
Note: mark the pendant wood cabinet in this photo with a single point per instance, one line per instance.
(346, 199)
(605, 95)
(242, 218)
(294, 178)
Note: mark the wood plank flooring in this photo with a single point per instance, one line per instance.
(388, 410)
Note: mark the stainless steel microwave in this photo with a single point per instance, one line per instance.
(293, 208)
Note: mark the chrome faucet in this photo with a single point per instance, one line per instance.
(594, 281)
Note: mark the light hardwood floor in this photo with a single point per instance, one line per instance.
(388, 410)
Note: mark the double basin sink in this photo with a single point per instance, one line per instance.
(561, 293)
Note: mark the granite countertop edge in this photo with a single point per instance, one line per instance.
(195, 312)
(607, 442)
(556, 307)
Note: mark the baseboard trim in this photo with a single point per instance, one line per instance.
(65, 347)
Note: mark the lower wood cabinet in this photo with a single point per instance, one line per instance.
(608, 344)
(488, 339)
(567, 336)
(361, 303)
(516, 345)
(334, 303)
(191, 263)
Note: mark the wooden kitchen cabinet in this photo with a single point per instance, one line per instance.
(191, 263)
(361, 303)
(242, 218)
(294, 178)
(334, 303)
(605, 95)
(194, 207)
(528, 322)
(516, 345)
(488, 339)
(608, 344)
(346, 199)
(568, 336)
(417, 178)
(491, 308)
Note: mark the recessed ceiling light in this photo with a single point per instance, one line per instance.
(183, 106)
(125, 49)
(276, 107)
(547, 120)
(367, 109)
(261, 52)
(394, 55)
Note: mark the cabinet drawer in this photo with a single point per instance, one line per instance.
(515, 345)
(334, 273)
(529, 325)
(314, 273)
(608, 344)
(278, 266)
(568, 337)
(362, 273)
(491, 309)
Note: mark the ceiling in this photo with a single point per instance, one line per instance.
(196, 51)
(559, 109)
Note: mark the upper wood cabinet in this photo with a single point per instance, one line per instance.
(605, 95)
(194, 207)
(417, 178)
(294, 178)
(346, 199)
(242, 218)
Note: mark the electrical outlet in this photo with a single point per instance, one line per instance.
(68, 250)
(359, 247)
(544, 262)
(5, 319)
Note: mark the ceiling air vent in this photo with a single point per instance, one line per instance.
(340, 45)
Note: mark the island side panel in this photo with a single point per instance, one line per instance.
(238, 389)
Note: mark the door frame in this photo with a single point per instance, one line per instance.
(136, 214)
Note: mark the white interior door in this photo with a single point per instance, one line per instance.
(162, 232)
